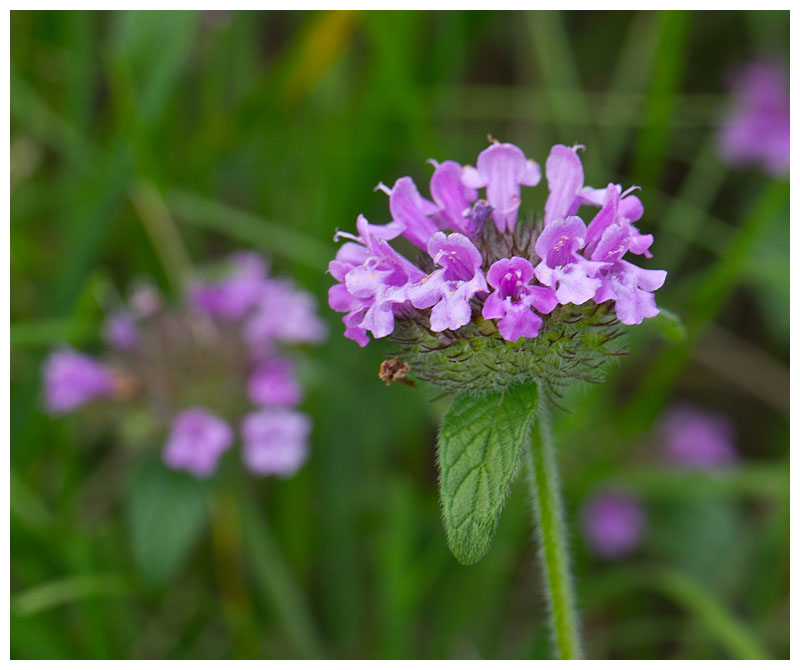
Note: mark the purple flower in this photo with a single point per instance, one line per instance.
(449, 289)
(197, 441)
(275, 441)
(757, 130)
(72, 379)
(622, 205)
(513, 298)
(627, 284)
(273, 383)
(411, 211)
(282, 313)
(373, 279)
(452, 196)
(613, 524)
(562, 267)
(501, 169)
(697, 439)
(232, 297)
(121, 332)
(564, 181)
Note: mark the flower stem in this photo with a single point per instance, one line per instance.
(549, 522)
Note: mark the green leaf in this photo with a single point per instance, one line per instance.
(479, 443)
(167, 512)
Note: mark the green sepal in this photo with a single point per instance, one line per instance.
(479, 445)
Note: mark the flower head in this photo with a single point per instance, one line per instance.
(558, 290)
(613, 524)
(202, 366)
(72, 379)
(697, 439)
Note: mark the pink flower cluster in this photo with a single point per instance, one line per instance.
(575, 262)
(246, 310)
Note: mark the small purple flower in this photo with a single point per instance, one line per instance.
(452, 196)
(72, 379)
(273, 383)
(411, 211)
(627, 284)
(196, 442)
(562, 267)
(501, 169)
(757, 130)
(275, 441)
(121, 332)
(373, 279)
(282, 313)
(513, 298)
(613, 524)
(697, 439)
(564, 181)
(231, 298)
(449, 289)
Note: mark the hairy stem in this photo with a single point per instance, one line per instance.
(549, 522)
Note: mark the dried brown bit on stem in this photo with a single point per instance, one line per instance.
(395, 370)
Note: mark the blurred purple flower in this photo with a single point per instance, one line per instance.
(72, 379)
(275, 441)
(232, 297)
(197, 441)
(697, 439)
(273, 384)
(757, 129)
(513, 298)
(613, 524)
(449, 289)
(283, 314)
(502, 169)
(121, 332)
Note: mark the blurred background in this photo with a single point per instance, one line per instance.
(269, 131)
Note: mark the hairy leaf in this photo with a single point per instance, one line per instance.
(479, 444)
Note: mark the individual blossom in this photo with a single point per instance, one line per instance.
(199, 367)
(562, 267)
(121, 332)
(501, 170)
(374, 279)
(757, 128)
(275, 441)
(196, 442)
(697, 439)
(449, 289)
(283, 313)
(234, 295)
(614, 524)
(72, 379)
(453, 197)
(514, 297)
(273, 383)
(559, 289)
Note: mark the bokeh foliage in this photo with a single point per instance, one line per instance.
(143, 142)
